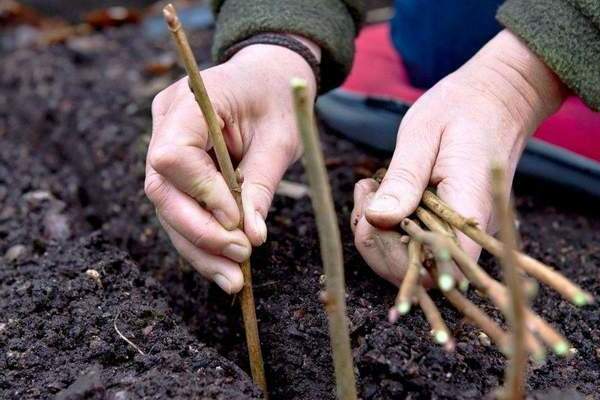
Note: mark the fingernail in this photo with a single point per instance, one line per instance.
(261, 227)
(223, 219)
(383, 204)
(222, 282)
(236, 252)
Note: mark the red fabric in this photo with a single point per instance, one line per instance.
(378, 71)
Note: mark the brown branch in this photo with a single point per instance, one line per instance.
(437, 225)
(480, 319)
(226, 166)
(329, 238)
(439, 329)
(494, 290)
(438, 246)
(533, 267)
(408, 289)
(516, 372)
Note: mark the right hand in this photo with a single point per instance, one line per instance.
(252, 98)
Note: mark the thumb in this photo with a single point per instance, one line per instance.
(262, 169)
(406, 178)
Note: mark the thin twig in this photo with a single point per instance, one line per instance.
(439, 329)
(330, 242)
(435, 224)
(533, 267)
(480, 319)
(123, 336)
(438, 246)
(408, 289)
(493, 289)
(234, 184)
(516, 372)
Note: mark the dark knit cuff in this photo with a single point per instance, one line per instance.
(328, 23)
(563, 37)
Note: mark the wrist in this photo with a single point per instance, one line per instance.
(286, 55)
(537, 90)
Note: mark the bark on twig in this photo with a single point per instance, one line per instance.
(437, 225)
(533, 267)
(516, 372)
(480, 319)
(494, 290)
(408, 289)
(330, 242)
(437, 243)
(439, 329)
(228, 172)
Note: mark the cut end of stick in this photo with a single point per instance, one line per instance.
(446, 282)
(398, 310)
(393, 315)
(298, 83)
(403, 307)
(441, 337)
(171, 17)
(581, 299)
(464, 285)
(561, 348)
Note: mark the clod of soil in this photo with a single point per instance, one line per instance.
(74, 125)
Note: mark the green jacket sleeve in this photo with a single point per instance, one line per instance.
(566, 35)
(332, 24)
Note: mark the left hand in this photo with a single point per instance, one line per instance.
(483, 112)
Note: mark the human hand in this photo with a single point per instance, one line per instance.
(252, 98)
(483, 112)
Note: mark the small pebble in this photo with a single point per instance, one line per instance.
(37, 196)
(121, 395)
(322, 280)
(484, 339)
(16, 252)
(572, 351)
(56, 226)
(95, 275)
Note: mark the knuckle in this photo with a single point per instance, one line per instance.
(202, 187)
(404, 179)
(163, 158)
(159, 102)
(262, 195)
(200, 238)
(156, 189)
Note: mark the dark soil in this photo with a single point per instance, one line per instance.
(74, 125)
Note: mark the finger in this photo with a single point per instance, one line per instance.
(192, 171)
(382, 250)
(181, 121)
(195, 224)
(470, 196)
(361, 190)
(220, 270)
(262, 169)
(408, 174)
(161, 104)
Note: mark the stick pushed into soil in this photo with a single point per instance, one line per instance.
(516, 372)
(330, 241)
(234, 184)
